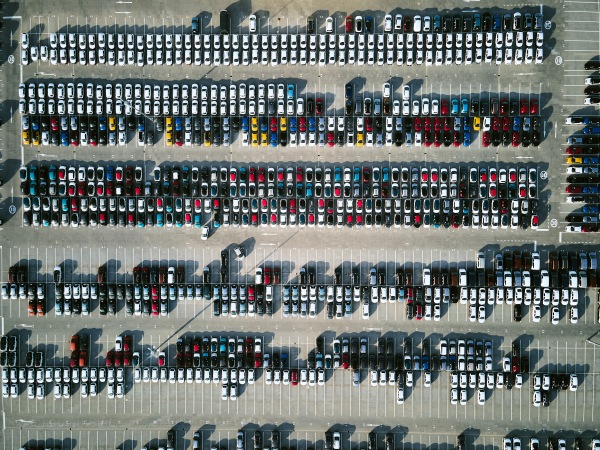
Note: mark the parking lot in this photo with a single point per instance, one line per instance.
(303, 413)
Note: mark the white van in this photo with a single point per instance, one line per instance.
(480, 260)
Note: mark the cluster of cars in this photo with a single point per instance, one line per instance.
(149, 294)
(211, 359)
(473, 370)
(544, 382)
(430, 40)
(9, 355)
(592, 89)
(265, 115)
(468, 196)
(583, 176)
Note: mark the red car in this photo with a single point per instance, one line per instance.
(330, 139)
(534, 107)
(417, 123)
(349, 24)
(273, 128)
(427, 124)
(571, 189)
(524, 107)
(299, 174)
(457, 140)
(445, 107)
(419, 314)
(438, 124)
(294, 377)
(516, 139)
(302, 130)
(486, 139)
(161, 359)
(127, 343)
(319, 106)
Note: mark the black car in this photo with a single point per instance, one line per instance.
(592, 65)
(517, 313)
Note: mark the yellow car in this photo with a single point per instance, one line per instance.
(255, 124)
(35, 137)
(26, 138)
(264, 141)
(254, 139)
(476, 123)
(207, 138)
(360, 140)
(283, 124)
(112, 123)
(574, 160)
(169, 137)
(169, 124)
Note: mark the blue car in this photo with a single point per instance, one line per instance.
(464, 106)
(590, 189)
(590, 209)
(159, 220)
(177, 123)
(293, 125)
(337, 176)
(497, 24)
(591, 130)
(356, 174)
(64, 138)
(273, 139)
(590, 160)
(102, 123)
(311, 124)
(454, 109)
(52, 173)
(110, 173)
(32, 173)
(517, 124)
(309, 191)
(197, 221)
(290, 92)
(245, 126)
(467, 139)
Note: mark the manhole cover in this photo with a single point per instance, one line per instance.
(543, 174)
(558, 60)
(12, 209)
(11, 59)
(547, 24)
(554, 223)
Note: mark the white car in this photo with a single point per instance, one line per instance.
(555, 315)
(573, 382)
(537, 399)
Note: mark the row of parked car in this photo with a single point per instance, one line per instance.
(231, 99)
(294, 131)
(341, 50)
(281, 48)
(204, 189)
(582, 175)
